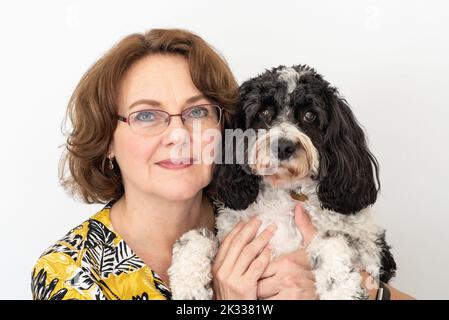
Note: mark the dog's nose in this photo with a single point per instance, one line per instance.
(285, 149)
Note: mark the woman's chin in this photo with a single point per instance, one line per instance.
(178, 192)
(181, 186)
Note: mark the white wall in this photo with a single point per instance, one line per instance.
(389, 58)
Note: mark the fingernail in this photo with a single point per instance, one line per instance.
(272, 227)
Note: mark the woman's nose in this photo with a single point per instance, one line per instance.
(176, 132)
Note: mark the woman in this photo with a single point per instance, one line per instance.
(130, 112)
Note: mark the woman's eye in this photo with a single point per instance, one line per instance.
(309, 116)
(146, 116)
(198, 113)
(265, 115)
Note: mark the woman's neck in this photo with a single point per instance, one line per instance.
(152, 220)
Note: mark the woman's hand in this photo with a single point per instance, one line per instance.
(289, 277)
(241, 260)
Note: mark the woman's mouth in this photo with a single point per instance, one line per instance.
(174, 164)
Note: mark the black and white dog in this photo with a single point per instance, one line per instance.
(321, 157)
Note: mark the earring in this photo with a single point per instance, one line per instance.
(111, 164)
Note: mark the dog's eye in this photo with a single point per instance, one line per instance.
(265, 115)
(309, 117)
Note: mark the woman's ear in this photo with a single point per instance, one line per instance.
(111, 149)
(348, 170)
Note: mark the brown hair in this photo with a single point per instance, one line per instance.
(92, 106)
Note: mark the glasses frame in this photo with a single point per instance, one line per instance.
(169, 115)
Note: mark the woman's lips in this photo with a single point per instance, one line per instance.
(175, 163)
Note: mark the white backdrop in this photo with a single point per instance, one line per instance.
(388, 58)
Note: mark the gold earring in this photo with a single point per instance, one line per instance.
(111, 164)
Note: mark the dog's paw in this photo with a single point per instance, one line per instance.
(336, 277)
(190, 273)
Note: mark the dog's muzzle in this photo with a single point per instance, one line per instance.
(284, 148)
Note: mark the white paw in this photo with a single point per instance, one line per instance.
(190, 272)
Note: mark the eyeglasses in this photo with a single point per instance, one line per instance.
(152, 122)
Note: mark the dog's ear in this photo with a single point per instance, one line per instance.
(233, 184)
(235, 187)
(348, 170)
(387, 263)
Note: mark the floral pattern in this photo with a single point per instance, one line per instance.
(93, 262)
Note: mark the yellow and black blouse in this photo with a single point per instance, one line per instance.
(93, 262)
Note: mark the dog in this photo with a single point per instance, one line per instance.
(321, 158)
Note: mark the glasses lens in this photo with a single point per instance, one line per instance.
(148, 122)
(206, 115)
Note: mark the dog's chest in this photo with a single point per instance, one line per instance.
(271, 206)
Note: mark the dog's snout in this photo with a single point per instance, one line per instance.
(285, 148)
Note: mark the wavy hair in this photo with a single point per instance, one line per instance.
(92, 107)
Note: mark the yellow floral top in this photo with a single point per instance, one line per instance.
(93, 262)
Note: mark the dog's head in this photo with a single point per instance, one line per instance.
(311, 133)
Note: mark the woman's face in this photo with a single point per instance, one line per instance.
(166, 80)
